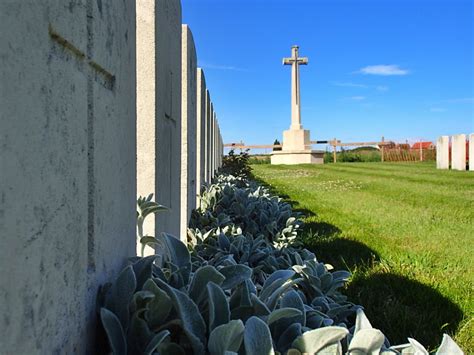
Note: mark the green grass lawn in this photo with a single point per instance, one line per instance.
(405, 230)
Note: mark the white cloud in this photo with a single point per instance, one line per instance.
(348, 84)
(357, 98)
(383, 69)
(381, 88)
(437, 109)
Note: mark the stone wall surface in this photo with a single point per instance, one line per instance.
(67, 188)
(188, 129)
(442, 152)
(200, 130)
(458, 152)
(159, 126)
(91, 115)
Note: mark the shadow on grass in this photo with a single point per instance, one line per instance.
(403, 308)
(400, 307)
(342, 253)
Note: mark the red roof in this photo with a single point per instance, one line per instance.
(424, 145)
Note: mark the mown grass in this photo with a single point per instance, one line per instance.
(406, 232)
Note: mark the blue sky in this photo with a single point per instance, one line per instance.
(402, 69)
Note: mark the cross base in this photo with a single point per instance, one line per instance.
(289, 157)
(296, 139)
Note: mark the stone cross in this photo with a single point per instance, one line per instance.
(295, 62)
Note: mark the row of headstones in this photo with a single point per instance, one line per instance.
(92, 103)
(179, 140)
(458, 154)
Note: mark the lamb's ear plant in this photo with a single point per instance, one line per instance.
(242, 285)
(166, 308)
(146, 207)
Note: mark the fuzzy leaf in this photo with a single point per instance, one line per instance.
(257, 337)
(142, 269)
(448, 346)
(226, 337)
(283, 313)
(367, 341)
(159, 307)
(234, 275)
(178, 254)
(155, 342)
(114, 331)
(121, 294)
(188, 312)
(415, 348)
(219, 312)
(362, 322)
(201, 278)
(287, 337)
(317, 339)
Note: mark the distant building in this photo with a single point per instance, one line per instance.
(423, 145)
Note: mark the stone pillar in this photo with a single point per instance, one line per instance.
(471, 152)
(458, 152)
(68, 198)
(188, 129)
(221, 150)
(159, 110)
(206, 135)
(442, 152)
(214, 132)
(200, 131)
(211, 143)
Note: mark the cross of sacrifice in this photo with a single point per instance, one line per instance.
(295, 62)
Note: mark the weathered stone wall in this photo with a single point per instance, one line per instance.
(74, 76)
(188, 129)
(67, 190)
(159, 124)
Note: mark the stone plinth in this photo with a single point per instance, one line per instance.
(296, 139)
(297, 149)
(442, 152)
(458, 152)
(292, 157)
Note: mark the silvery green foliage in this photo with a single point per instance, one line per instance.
(146, 207)
(172, 308)
(248, 206)
(318, 288)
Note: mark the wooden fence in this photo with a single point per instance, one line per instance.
(397, 154)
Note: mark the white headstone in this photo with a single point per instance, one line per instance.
(211, 143)
(159, 110)
(442, 152)
(67, 167)
(213, 151)
(458, 152)
(188, 129)
(471, 152)
(207, 136)
(200, 130)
